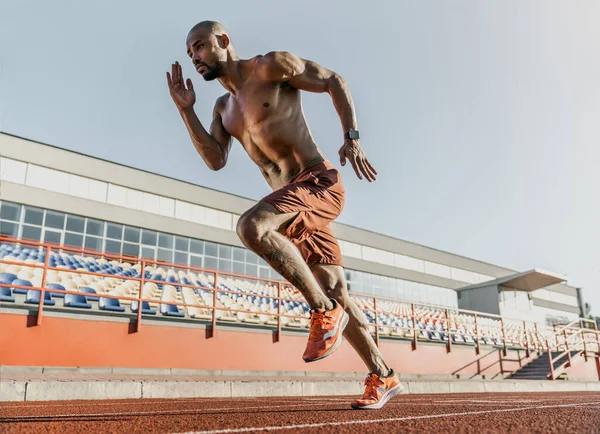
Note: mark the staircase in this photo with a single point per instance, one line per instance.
(539, 369)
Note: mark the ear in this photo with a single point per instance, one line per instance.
(224, 40)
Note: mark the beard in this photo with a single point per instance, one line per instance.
(212, 72)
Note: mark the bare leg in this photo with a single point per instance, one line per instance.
(261, 230)
(332, 279)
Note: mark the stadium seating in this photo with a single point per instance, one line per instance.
(183, 293)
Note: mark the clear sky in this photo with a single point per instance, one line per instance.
(482, 118)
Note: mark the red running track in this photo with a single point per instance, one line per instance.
(500, 412)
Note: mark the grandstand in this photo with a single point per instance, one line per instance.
(84, 238)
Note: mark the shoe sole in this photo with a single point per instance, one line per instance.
(337, 343)
(396, 390)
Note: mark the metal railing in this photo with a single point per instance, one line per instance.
(420, 321)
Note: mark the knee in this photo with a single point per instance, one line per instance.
(249, 228)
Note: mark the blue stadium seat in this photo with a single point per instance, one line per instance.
(33, 297)
(146, 310)
(87, 290)
(21, 282)
(72, 300)
(7, 277)
(56, 286)
(170, 310)
(6, 294)
(111, 304)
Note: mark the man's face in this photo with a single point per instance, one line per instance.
(205, 52)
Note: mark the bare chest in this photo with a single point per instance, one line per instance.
(256, 106)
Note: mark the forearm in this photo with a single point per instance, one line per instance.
(342, 101)
(207, 146)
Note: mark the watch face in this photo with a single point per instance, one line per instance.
(353, 134)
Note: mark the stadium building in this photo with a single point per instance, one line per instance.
(58, 196)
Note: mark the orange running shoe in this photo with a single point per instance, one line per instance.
(326, 329)
(378, 391)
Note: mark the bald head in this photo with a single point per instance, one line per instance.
(212, 27)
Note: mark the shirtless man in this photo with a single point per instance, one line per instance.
(289, 228)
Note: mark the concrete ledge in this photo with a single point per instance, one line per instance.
(60, 389)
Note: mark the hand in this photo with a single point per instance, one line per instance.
(353, 152)
(183, 98)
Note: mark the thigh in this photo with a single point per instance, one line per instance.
(265, 216)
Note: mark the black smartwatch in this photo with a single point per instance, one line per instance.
(352, 135)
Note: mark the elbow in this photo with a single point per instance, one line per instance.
(216, 165)
(336, 82)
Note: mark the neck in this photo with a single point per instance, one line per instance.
(232, 77)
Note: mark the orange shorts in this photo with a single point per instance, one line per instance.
(317, 195)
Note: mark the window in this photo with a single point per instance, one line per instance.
(225, 265)
(31, 233)
(114, 231)
(251, 257)
(211, 249)
(148, 252)
(9, 229)
(239, 254)
(34, 216)
(224, 251)
(210, 263)
(182, 244)
(55, 220)
(132, 234)
(75, 224)
(73, 240)
(197, 246)
(251, 270)
(131, 249)
(195, 261)
(166, 241)
(52, 237)
(93, 243)
(10, 211)
(264, 273)
(94, 227)
(149, 237)
(181, 258)
(165, 255)
(112, 246)
(239, 267)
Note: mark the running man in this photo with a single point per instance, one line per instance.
(289, 228)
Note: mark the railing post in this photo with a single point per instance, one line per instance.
(213, 330)
(448, 333)
(415, 327)
(477, 348)
(278, 337)
(43, 288)
(537, 336)
(138, 323)
(598, 364)
(585, 355)
(504, 352)
(376, 321)
(550, 360)
(527, 352)
(567, 347)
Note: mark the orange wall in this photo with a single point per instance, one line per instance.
(74, 342)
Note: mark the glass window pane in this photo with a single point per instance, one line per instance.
(75, 224)
(114, 231)
(149, 237)
(224, 265)
(131, 249)
(181, 258)
(34, 216)
(148, 253)
(239, 268)
(239, 254)
(224, 251)
(182, 243)
(251, 270)
(210, 263)
(196, 261)
(112, 246)
(74, 240)
(52, 237)
(10, 211)
(251, 257)
(31, 233)
(132, 234)
(55, 220)
(94, 227)
(262, 262)
(264, 273)
(197, 246)
(9, 229)
(165, 255)
(93, 243)
(211, 249)
(166, 241)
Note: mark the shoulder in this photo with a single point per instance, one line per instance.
(277, 64)
(221, 103)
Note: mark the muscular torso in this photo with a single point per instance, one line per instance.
(267, 119)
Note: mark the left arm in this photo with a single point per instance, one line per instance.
(312, 77)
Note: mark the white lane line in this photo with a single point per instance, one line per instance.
(395, 419)
(167, 412)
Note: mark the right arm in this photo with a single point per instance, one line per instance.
(213, 146)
